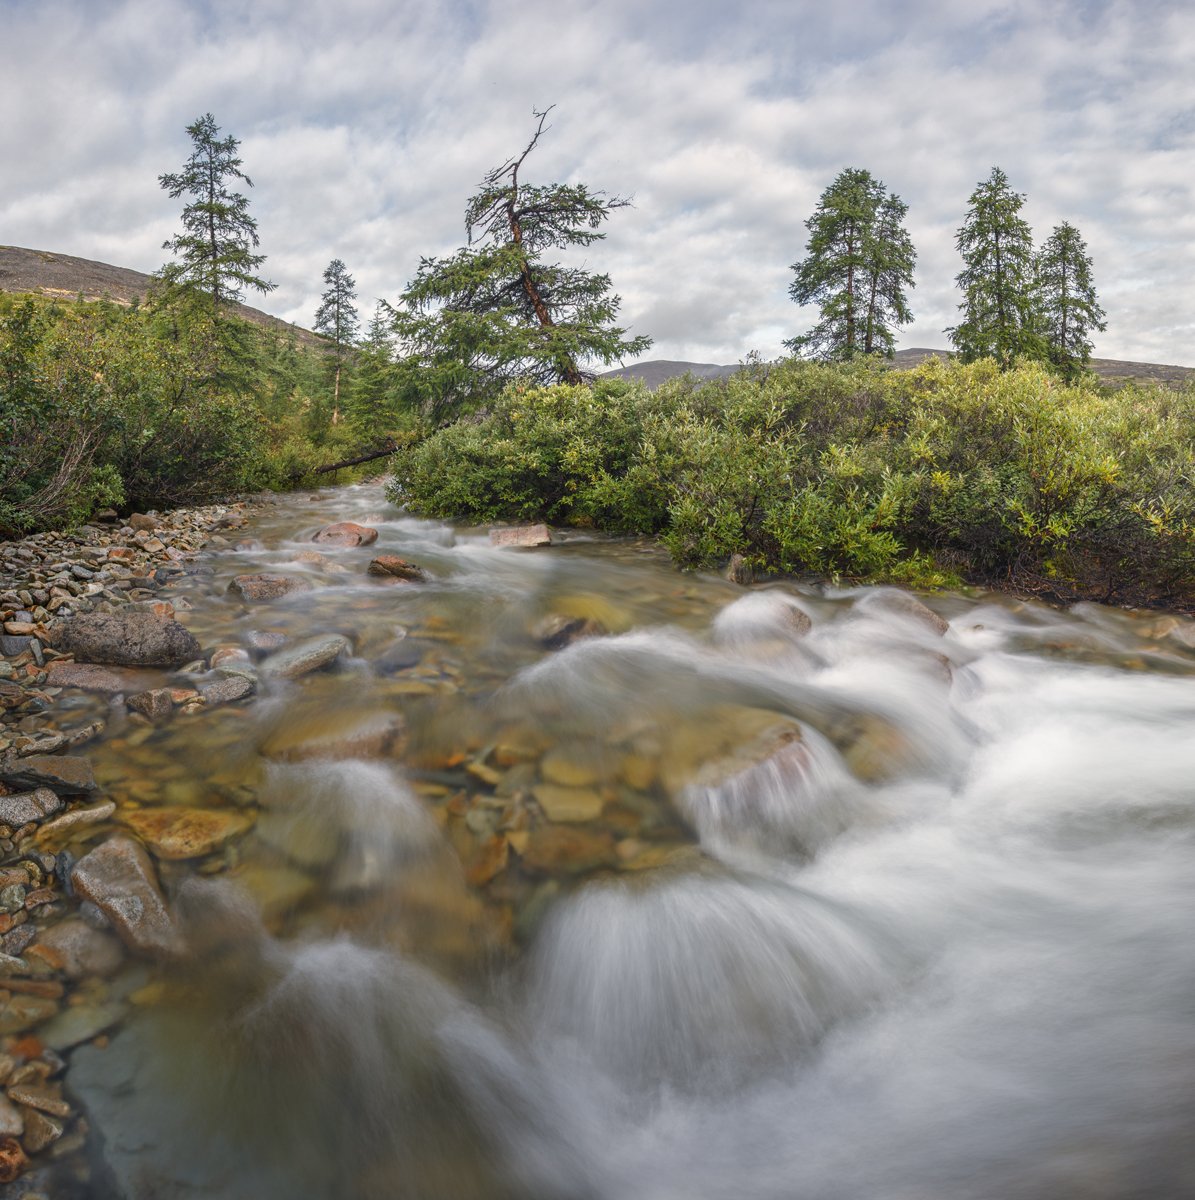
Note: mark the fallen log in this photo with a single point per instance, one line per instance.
(388, 448)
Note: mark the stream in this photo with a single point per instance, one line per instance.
(575, 877)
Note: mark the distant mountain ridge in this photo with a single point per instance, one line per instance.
(1108, 370)
(65, 277)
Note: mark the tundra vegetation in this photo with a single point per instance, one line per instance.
(1007, 466)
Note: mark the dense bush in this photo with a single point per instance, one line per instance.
(918, 476)
(105, 405)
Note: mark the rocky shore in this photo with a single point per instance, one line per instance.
(88, 612)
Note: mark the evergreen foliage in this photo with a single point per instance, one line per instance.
(859, 261)
(337, 319)
(1000, 316)
(1067, 300)
(496, 310)
(215, 251)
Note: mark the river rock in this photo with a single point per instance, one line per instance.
(81, 950)
(156, 704)
(11, 695)
(226, 690)
(65, 774)
(13, 1160)
(521, 535)
(569, 770)
(555, 631)
(12, 1124)
(903, 604)
(40, 1131)
(305, 657)
(258, 588)
(129, 639)
(562, 849)
(21, 1012)
(143, 523)
(177, 833)
(391, 566)
(92, 677)
(29, 806)
(80, 1023)
(77, 818)
(346, 533)
(119, 879)
(336, 734)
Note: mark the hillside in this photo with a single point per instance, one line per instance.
(65, 277)
(1109, 370)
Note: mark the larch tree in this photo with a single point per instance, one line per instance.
(859, 262)
(1069, 309)
(497, 310)
(216, 252)
(337, 319)
(999, 306)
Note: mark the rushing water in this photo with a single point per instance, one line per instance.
(843, 906)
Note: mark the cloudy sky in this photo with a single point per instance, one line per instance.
(364, 125)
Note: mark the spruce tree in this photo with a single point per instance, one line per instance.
(859, 261)
(336, 318)
(215, 251)
(1000, 317)
(1067, 300)
(496, 310)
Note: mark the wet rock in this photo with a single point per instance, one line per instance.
(521, 535)
(178, 833)
(346, 533)
(562, 766)
(76, 819)
(80, 950)
(556, 630)
(40, 1131)
(13, 1160)
(337, 734)
(119, 879)
(264, 640)
(229, 656)
(258, 588)
(155, 704)
(12, 1123)
(80, 1023)
(44, 1097)
(739, 571)
(392, 567)
(905, 605)
(65, 774)
(228, 689)
(489, 861)
(559, 849)
(21, 1012)
(20, 809)
(567, 803)
(130, 639)
(11, 695)
(92, 677)
(305, 657)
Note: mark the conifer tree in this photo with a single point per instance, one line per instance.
(1000, 317)
(495, 310)
(1067, 300)
(336, 318)
(215, 252)
(859, 262)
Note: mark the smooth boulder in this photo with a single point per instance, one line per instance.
(346, 533)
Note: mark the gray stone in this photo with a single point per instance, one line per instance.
(521, 535)
(256, 588)
(92, 677)
(305, 657)
(119, 879)
(84, 951)
(131, 639)
(80, 1023)
(19, 810)
(154, 704)
(226, 690)
(66, 774)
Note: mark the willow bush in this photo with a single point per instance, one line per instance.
(929, 476)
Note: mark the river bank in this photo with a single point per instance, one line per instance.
(429, 866)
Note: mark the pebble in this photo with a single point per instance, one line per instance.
(119, 879)
(567, 804)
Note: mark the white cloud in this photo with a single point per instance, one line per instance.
(365, 124)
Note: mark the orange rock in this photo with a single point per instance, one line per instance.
(346, 533)
(177, 833)
(13, 1161)
(490, 860)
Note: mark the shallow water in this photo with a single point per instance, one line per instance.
(834, 904)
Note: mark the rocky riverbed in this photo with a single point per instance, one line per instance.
(345, 853)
